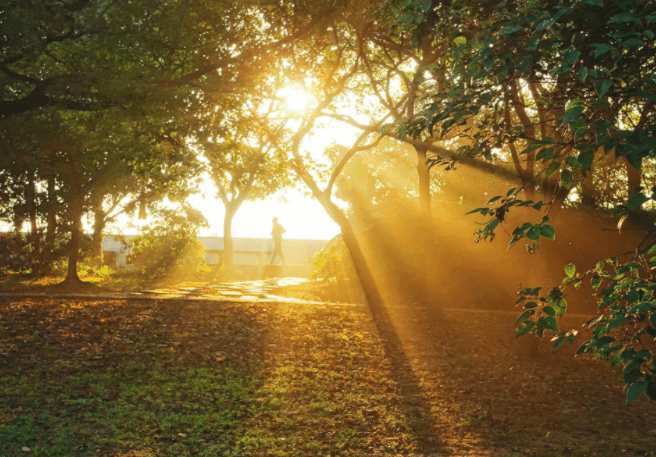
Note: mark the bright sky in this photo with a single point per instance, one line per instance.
(301, 216)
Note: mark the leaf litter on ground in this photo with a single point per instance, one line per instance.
(178, 378)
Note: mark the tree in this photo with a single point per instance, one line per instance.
(169, 245)
(571, 82)
(244, 166)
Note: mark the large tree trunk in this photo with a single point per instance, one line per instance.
(366, 278)
(425, 237)
(228, 253)
(76, 210)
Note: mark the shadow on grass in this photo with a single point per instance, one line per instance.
(125, 378)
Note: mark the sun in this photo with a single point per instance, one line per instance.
(296, 100)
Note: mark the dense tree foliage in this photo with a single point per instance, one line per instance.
(565, 90)
(104, 106)
(169, 245)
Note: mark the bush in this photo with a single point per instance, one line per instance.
(170, 246)
(333, 268)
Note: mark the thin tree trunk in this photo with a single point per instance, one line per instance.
(30, 197)
(424, 184)
(51, 218)
(228, 252)
(588, 197)
(74, 244)
(99, 223)
(633, 178)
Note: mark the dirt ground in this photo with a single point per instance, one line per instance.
(459, 388)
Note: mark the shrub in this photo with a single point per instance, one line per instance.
(333, 268)
(170, 245)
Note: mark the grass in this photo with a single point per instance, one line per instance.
(173, 378)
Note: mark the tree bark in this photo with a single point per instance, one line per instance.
(424, 184)
(588, 197)
(74, 244)
(633, 178)
(30, 199)
(366, 278)
(228, 252)
(99, 222)
(51, 218)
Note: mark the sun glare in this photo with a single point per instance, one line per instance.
(296, 100)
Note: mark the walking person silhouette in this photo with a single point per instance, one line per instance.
(276, 233)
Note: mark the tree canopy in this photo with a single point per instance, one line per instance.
(105, 106)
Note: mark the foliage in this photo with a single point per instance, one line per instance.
(560, 88)
(626, 316)
(333, 268)
(169, 245)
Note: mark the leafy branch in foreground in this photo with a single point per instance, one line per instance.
(531, 231)
(625, 323)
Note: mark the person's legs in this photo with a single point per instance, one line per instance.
(277, 251)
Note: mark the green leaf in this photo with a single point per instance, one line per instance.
(549, 323)
(524, 316)
(530, 291)
(549, 311)
(572, 56)
(631, 372)
(599, 3)
(546, 154)
(595, 282)
(572, 114)
(552, 168)
(548, 232)
(635, 390)
(635, 159)
(617, 321)
(602, 86)
(625, 17)
(585, 159)
(538, 205)
(566, 178)
(636, 201)
(534, 234)
(570, 270)
(509, 30)
(524, 329)
(633, 42)
(585, 347)
(559, 342)
(601, 49)
(560, 306)
(651, 250)
(530, 305)
(483, 211)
